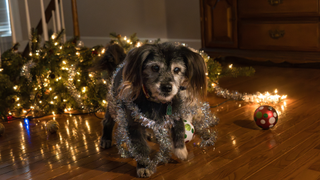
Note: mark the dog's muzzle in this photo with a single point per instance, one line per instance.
(166, 88)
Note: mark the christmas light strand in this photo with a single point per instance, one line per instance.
(254, 98)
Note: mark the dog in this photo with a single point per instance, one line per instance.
(155, 78)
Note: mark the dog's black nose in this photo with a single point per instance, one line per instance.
(166, 87)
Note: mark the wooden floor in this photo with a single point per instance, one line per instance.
(290, 150)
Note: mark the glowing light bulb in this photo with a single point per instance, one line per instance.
(55, 97)
(30, 54)
(15, 87)
(56, 43)
(125, 38)
(18, 99)
(276, 91)
(40, 102)
(18, 104)
(103, 50)
(104, 101)
(60, 47)
(51, 102)
(64, 62)
(230, 66)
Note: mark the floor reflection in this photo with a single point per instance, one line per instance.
(32, 146)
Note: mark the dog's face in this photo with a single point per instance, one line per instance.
(160, 70)
(163, 74)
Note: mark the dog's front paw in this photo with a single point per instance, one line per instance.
(105, 144)
(181, 153)
(144, 173)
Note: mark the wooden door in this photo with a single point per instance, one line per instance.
(219, 23)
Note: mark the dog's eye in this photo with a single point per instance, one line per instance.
(155, 68)
(176, 70)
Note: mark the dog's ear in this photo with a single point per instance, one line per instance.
(132, 71)
(196, 72)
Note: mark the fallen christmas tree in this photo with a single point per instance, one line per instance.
(56, 77)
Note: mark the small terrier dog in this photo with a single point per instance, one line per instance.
(155, 76)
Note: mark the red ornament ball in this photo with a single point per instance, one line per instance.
(265, 117)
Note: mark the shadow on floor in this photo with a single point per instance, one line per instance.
(249, 124)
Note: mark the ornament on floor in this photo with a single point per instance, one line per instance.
(265, 117)
(2, 129)
(52, 126)
(189, 131)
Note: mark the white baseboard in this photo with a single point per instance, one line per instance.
(93, 41)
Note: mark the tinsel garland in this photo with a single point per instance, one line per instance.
(203, 122)
(160, 129)
(71, 88)
(254, 97)
(225, 93)
(25, 70)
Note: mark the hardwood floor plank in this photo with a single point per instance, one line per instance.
(284, 162)
(306, 174)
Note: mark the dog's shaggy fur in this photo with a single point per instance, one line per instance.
(163, 70)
